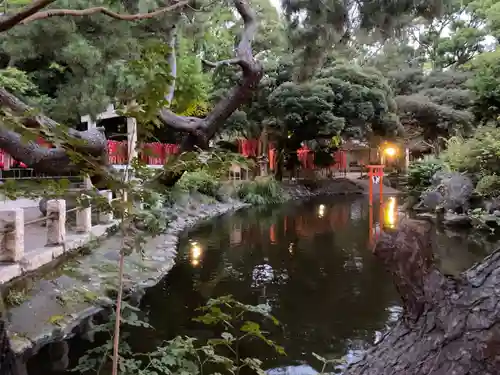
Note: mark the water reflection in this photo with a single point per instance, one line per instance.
(195, 253)
(391, 213)
(321, 211)
(310, 265)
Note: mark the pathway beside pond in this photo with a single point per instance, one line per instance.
(34, 251)
(56, 304)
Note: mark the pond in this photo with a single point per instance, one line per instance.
(310, 262)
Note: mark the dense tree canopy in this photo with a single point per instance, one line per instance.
(317, 69)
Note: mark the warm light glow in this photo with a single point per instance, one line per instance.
(195, 253)
(321, 210)
(390, 151)
(391, 213)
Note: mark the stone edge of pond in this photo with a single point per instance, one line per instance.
(27, 347)
(78, 323)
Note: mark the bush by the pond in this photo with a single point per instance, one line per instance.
(188, 355)
(420, 174)
(489, 186)
(479, 154)
(200, 181)
(261, 191)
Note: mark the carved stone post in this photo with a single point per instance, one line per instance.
(84, 218)
(106, 217)
(56, 223)
(12, 246)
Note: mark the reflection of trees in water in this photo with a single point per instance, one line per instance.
(456, 251)
(318, 290)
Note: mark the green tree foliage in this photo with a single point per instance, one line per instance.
(452, 39)
(82, 63)
(433, 105)
(485, 83)
(315, 26)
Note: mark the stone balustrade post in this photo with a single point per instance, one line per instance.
(106, 217)
(12, 245)
(84, 218)
(56, 223)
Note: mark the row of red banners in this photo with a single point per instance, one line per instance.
(157, 153)
(153, 154)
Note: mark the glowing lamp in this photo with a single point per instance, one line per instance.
(390, 151)
(321, 210)
(195, 254)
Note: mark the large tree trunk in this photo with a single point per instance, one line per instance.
(450, 326)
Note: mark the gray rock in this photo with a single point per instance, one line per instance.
(432, 199)
(454, 220)
(440, 177)
(426, 216)
(457, 192)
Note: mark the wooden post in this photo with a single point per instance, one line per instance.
(381, 182)
(407, 159)
(131, 138)
(56, 223)
(84, 218)
(12, 248)
(106, 217)
(370, 225)
(370, 185)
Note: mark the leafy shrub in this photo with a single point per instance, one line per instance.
(479, 154)
(261, 191)
(489, 186)
(420, 174)
(186, 355)
(200, 181)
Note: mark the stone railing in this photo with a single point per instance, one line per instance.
(12, 244)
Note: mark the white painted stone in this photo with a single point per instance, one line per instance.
(9, 272)
(56, 225)
(84, 220)
(57, 251)
(12, 246)
(36, 259)
(106, 217)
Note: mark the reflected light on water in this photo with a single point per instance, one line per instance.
(321, 210)
(195, 253)
(391, 213)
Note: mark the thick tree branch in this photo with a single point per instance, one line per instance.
(210, 64)
(9, 21)
(90, 11)
(204, 129)
(91, 143)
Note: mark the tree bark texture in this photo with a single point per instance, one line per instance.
(450, 326)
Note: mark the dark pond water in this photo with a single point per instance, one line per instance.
(309, 262)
